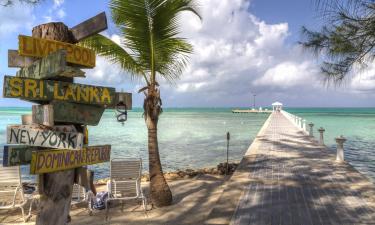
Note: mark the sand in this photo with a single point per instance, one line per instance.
(193, 200)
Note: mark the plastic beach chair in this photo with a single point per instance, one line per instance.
(11, 190)
(125, 181)
(80, 195)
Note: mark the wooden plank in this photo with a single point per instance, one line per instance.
(37, 136)
(43, 114)
(90, 27)
(52, 66)
(124, 97)
(59, 111)
(17, 155)
(48, 90)
(15, 60)
(38, 47)
(56, 160)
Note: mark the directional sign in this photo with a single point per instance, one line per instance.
(15, 155)
(15, 60)
(89, 27)
(38, 47)
(57, 160)
(52, 66)
(36, 136)
(48, 90)
(67, 112)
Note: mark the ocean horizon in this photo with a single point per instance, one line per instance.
(195, 137)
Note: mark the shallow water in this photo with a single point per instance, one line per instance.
(188, 138)
(196, 138)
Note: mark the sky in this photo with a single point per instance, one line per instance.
(241, 48)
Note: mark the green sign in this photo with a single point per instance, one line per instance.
(67, 112)
(52, 66)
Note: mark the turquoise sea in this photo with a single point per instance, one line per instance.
(196, 137)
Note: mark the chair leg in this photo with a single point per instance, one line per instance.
(106, 210)
(144, 203)
(30, 208)
(23, 214)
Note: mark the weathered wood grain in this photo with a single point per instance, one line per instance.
(90, 27)
(43, 114)
(56, 160)
(16, 155)
(15, 60)
(59, 111)
(38, 47)
(35, 136)
(48, 90)
(52, 66)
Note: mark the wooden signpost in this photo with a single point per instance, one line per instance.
(60, 111)
(48, 90)
(52, 66)
(55, 160)
(90, 27)
(48, 61)
(33, 136)
(39, 47)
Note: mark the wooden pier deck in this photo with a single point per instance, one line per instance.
(287, 178)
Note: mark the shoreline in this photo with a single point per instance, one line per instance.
(220, 169)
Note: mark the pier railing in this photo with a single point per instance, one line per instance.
(300, 123)
(297, 121)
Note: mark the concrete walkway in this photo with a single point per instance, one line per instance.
(287, 178)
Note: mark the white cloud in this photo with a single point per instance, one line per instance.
(236, 53)
(14, 18)
(56, 12)
(364, 81)
(288, 74)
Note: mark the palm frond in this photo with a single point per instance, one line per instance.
(132, 17)
(150, 28)
(107, 48)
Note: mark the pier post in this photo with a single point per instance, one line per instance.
(340, 148)
(311, 131)
(304, 125)
(321, 138)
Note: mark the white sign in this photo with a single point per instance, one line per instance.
(59, 137)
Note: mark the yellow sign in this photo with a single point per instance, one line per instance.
(48, 90)
(38, 47)
(56, 160)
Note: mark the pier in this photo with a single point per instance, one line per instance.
(250, 111)
(289, 177)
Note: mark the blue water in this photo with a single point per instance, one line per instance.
(188, 137)
(196, 138)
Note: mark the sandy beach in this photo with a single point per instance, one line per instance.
(193, 199)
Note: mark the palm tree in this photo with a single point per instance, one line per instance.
(347, 39)
(150, 49)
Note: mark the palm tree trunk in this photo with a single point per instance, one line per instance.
(161, 195)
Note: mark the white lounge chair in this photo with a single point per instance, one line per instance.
(125, 181)
(79, 195)
(11, 190)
